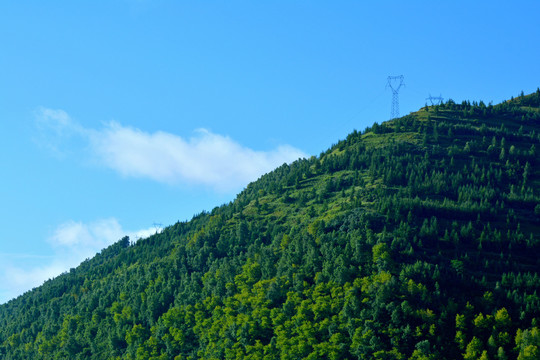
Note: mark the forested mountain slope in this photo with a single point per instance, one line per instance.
(417, 238)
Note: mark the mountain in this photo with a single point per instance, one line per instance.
(415, 239)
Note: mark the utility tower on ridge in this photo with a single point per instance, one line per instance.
(436, 98)
(158, 227)
(395, 83)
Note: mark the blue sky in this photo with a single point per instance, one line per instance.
(115, 115)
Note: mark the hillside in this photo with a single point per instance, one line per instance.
(414, 239)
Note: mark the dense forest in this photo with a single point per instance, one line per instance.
(418, 238)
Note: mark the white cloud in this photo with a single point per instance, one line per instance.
(72, 242)
(56, 131)
(55, 120)
(95, 235)
(208, 159)
(18, 280)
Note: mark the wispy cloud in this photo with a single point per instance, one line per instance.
(93, 236)
(205, 158)
(71, 243)
(57, 132)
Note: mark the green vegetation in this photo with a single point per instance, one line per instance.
(415, 239)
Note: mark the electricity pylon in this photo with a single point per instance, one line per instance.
(395, 83)
(158, 227)
(438, 98)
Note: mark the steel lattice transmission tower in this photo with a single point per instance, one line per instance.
(436, 98)
(395, 83)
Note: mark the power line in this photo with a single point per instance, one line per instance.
(368, 105)
(395, 83)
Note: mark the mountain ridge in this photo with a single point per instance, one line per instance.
(415, 238)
